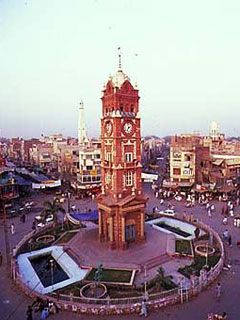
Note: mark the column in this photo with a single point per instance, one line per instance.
(111, 229)
(123, 229)
(142, 225)
(99, 223)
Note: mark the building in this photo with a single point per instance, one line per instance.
(8, 187)
(89, 173)
(188, 160)
(121, 204)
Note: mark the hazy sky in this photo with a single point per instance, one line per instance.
(184, 55)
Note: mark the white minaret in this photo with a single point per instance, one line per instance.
(214, 131)
(82, 132)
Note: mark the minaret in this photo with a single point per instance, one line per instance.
(82, 132)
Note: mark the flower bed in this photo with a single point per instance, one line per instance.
(198, 264)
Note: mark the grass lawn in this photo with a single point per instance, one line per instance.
(176, 230)
(112, 275)
(66, 237)
(184, 247)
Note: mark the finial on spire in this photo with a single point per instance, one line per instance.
(119, 58)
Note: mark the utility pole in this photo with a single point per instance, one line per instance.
(6, 236)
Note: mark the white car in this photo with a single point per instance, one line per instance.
(168, 212)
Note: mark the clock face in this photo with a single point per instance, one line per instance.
(108, 127)
(128, 127)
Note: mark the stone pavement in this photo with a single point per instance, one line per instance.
(13, 303)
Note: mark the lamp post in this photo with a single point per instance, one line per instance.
(68, 198)
(206, 256)
(51, 266)
(145, 283)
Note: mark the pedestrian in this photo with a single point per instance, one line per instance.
(1, 258)
(209, 213)
(224, 316)
(230, 240)
(212, 207)
(218, 291)
(143, 309)
(29, 313)
(44, 314)
(24, 218)
(34, 225)
(225, 234)
(12, 228)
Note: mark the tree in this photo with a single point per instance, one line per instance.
(197, 233)
(160, 277)
(52, 208)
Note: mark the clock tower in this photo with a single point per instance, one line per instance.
(121, 205)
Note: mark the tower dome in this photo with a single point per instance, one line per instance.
(119, 78)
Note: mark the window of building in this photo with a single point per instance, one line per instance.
(129, 179)
(109, 156)
(89, 167)
(128, 157)
(187, 157)
(176, 171)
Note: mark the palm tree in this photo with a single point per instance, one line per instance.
(52, 208)
(160, 277)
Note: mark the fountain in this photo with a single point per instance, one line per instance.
(94, 289)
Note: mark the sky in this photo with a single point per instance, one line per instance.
(184, 56)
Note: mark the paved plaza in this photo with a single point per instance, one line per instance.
(13, 303)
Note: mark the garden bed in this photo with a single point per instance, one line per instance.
(184, 247)
(66, 236)
(113, 276)
(198, 264)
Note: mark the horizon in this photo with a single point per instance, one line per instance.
(184, 57)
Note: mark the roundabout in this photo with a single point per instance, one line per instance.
(103, 297)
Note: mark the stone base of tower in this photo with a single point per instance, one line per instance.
(121, 222)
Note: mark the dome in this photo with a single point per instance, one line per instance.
(119, 78)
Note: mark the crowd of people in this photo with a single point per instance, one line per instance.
(46, 308)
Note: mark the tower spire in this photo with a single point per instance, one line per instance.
(82, 132)
(119, 58)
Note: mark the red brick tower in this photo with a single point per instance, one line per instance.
(121, 204)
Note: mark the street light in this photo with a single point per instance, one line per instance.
(145, 283)
(51, 266)
(206, 256)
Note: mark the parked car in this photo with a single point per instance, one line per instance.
(167, 212)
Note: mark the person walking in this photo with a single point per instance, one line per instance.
(23, 218)
(218, 291)
(44, 314)
(12, 228)
(209, 213)
(143, 309)
(230, 241)
(29, 313)
(1, 258)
